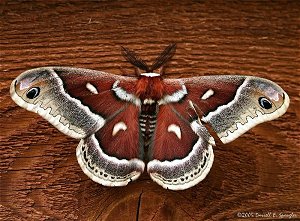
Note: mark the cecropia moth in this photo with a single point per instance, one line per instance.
(125, 123)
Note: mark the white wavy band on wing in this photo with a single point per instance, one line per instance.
(251, 122)
(100, 173)
(180, 174)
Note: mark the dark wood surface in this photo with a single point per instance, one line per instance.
(257, 175)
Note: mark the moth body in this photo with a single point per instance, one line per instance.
(150, 88)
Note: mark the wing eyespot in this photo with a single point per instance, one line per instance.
(33, 92)
(265, 103)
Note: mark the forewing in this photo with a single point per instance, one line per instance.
(236, 104)
(233, 104)
(76, 101)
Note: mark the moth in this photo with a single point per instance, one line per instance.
(125, 123)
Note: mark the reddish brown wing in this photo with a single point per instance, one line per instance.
(109, 156)
(78, 83)
(231, 105)
(210, 92)
(182, 147)
(234, 104)
(201, 96)
(216, 96)
(121, 136)
(98, 108)
(173, 137)
(120, 116)
(112, 155)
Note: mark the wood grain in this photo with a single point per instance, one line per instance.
(258, 173)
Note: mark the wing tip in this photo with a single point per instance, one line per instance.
(251, 122)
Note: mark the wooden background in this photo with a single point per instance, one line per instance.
(257, 175)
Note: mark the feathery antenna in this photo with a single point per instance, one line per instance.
(161, 60)
(164, 57)
(134, 59)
